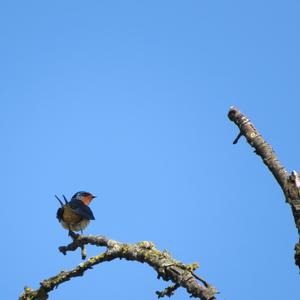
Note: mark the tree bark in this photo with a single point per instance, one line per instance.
(167, 268)
(289, 183)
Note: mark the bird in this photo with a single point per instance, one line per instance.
(75, 215)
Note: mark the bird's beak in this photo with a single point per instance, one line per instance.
(94, 197)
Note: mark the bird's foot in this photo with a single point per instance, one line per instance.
(73, 235)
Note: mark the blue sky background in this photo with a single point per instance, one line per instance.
(129, 100)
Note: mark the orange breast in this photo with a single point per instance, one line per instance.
(87, 199)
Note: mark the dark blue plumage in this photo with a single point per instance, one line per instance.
(59, 214)
(81, 209)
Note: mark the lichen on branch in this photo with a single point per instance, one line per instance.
(167, 268)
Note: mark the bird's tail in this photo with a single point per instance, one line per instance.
(59, 200)
(65, 199)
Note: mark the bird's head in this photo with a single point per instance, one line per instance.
(85, 197)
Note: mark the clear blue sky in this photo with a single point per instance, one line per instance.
(129, 100)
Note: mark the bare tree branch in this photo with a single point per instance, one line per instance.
(166, 267)
(290, 184)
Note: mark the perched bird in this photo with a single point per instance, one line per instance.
(75, 215)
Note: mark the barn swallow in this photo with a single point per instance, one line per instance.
(75, 215)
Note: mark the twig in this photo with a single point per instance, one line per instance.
(168, 291)
(74, 237)
(200, 279)
(237, 138)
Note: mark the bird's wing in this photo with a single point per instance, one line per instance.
(59, 213)
(81, 209)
